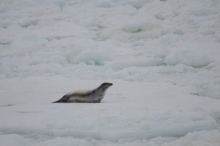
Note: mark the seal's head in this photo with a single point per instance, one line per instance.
(102, 88)
(106, 85)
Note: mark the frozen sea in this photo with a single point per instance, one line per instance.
(163, 58)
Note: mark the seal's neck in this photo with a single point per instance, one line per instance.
(101, 90)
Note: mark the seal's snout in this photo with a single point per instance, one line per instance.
(107, 84)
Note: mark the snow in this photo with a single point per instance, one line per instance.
(13, 139)
(162, 57)
(135, 116)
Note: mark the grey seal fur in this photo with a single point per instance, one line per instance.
(87, 96)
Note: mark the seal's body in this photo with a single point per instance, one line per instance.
(88, 96)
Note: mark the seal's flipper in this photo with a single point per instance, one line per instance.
(65, 98)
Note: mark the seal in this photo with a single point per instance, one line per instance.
(86, 96)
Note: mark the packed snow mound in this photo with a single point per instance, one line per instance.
(13, 140)
(92, 54)
(148, 40)
(194, 55)
(137, 62)
(122, 124)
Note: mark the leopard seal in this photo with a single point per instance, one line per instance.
(86, 96)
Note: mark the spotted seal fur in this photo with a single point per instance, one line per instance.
(87, 96)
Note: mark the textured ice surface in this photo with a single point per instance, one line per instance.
(13, 140)
(162, 55)
(148, 40)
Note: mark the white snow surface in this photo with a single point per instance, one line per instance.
(162, 57)
(131, 113)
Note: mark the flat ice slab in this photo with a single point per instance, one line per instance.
(130, 113)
